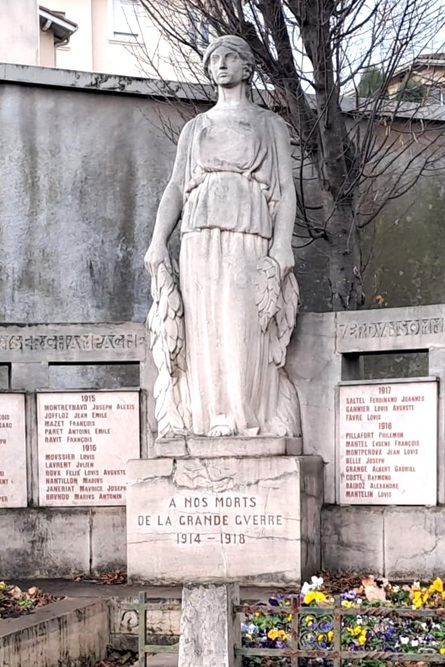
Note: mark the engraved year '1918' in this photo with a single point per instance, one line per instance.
(224, 538)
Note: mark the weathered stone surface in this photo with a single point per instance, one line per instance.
(353, 539)
(436, 363)
(388, 442)
(182, 447)
(200, 519)
(44, 543)
(311, 482)
(71, 631)
(258, 446)
(209, 627)
(13, 484)
(398, 542)
(29, 376)
(108, 539)
(174, 447)
(314, 366)
(85, 440)
(413, 542)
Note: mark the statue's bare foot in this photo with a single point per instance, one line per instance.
(221, 426)
(218, 431)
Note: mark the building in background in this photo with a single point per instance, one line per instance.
(55, 31)
(104, 36)
(422, 80)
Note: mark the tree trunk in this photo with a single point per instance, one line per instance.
(343, 250)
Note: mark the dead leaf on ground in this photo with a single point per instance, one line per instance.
(107, 579)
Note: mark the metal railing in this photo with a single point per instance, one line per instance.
(144, 605)
(299, 647)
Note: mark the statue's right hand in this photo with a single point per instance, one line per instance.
(156, 255)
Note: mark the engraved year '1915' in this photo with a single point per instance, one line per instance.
(196, 538)
(88, 398)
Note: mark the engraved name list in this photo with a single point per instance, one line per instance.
(388, 443)
(13, 491)
(85, 440)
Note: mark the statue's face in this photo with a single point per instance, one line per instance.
(227, 67)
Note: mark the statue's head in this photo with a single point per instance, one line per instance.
(232, 43)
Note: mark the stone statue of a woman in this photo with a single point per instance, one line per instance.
(219, 336)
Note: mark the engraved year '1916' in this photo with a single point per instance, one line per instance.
(196, 538)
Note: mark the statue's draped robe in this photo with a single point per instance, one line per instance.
(230, 193)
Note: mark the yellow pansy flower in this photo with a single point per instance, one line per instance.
(362, 638)
(442, 650)
(437, 585)
(308, 620)
(417, 599)
(273, 634)
(290, 617)
(346, 603)
(330, 635)
(314, 596)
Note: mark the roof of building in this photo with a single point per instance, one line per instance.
(61, 27)
(423, 61)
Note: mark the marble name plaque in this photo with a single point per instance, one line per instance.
(13, 492)
(388, 443)
(85, 440)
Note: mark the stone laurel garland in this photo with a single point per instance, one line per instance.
(165, 322)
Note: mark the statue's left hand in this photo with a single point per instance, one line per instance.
(156, 254)
(284, 256)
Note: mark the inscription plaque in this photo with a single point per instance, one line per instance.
(85, 440)
(13, 492)
(388, 443)
(202, 519)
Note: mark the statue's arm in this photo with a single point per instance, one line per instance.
(285, 212)
(170, 208)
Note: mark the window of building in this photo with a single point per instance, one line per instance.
(437, 94)
(125, 20)
(198, 30)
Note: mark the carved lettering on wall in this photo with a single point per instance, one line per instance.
(87, 342)
(393, 328)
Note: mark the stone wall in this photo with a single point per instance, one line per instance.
(84, 160)
(81, 179)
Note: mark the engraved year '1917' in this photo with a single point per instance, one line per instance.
(196, 538)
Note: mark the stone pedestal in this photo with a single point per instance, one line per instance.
(209, 626)
(251, 520)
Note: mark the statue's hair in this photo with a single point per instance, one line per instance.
(234, 43)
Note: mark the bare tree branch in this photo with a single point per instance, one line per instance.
(352, 155)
